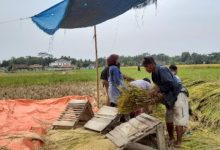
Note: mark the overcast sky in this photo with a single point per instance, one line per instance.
(175, 26)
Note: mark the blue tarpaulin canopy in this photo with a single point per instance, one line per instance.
(83, 13)
(70, 14)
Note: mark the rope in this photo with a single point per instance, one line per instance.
(13, 20)
(50, 47)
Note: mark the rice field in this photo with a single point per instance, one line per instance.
(202, 81)
(192, 72)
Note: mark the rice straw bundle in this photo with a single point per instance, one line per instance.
(133, 98)
(205, 102)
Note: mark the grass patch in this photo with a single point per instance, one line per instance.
(46, 78)
(190, 72)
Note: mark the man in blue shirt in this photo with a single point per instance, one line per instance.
(175, 101)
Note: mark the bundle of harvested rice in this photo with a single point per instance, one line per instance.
(205, 100)
(133, 98)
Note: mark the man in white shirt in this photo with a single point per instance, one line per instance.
(143, 84)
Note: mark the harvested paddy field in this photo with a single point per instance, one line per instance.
(39, 92)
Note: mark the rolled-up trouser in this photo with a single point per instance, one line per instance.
(179, 114)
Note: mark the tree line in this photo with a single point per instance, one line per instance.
(184, 58)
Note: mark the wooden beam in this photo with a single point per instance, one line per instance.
(97, 65)
(160, 137)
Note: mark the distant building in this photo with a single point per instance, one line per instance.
(36, 66)
(61, 63)
(26, 67)
(20, 67)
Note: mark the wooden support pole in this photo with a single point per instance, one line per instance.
(97, 65)
(160, 137)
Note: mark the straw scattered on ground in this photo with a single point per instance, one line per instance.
(205, 102)
(78, 139)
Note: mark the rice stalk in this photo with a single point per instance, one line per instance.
(132, 98)
(205, 102)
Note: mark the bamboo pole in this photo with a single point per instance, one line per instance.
(97, 65)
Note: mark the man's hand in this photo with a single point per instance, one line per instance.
(154, 91)
(104, 83)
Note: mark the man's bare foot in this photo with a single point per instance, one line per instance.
(177, 144)
(171, 142)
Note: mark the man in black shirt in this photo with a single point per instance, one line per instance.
(104, 78)
(175, 101)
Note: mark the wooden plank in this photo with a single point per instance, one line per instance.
(72, 111)
(109, 107)
(78, 101)
(103, 119)
(146, 116)
(64, 123)
(75, 109)
(114, 140)
(151, 131)
(160, 138)
(78, 105)
(97, 124)
(136, 129)
(105, 116)
(71, 114)
(115, 121)
(126, 136)
(138, 124)
(108, 111)
(68, 117)
(146, 121)
(118, 136)
(126, 129)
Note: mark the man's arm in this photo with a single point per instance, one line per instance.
(115, 74)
